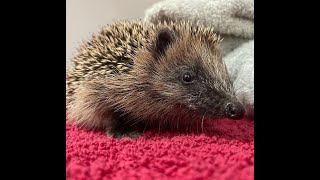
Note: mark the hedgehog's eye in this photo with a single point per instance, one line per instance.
(187, 77)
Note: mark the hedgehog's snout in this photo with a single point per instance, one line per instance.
(234, 110)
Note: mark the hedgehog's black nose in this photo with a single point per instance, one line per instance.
(234, 110)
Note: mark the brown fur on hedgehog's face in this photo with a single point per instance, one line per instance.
(190, 72)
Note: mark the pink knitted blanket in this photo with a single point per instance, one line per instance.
(225, 152)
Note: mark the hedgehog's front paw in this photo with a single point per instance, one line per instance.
(120, 135)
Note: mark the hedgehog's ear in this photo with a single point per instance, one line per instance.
(164, 39)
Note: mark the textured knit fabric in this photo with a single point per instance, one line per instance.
(224, 152)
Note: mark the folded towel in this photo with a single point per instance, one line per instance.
(230, 17)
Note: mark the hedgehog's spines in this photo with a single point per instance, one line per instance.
(124, 38)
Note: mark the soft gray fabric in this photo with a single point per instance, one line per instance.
(232, 17)
(241, 65)
(234, 21)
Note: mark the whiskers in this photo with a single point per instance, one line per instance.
(202, 123)
(145, 127)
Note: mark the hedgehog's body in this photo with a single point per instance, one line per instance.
(152, 74)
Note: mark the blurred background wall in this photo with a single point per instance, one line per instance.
(86, 16)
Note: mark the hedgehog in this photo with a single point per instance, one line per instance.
(132, 75)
